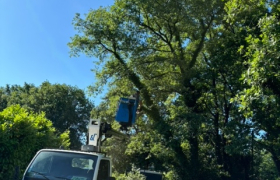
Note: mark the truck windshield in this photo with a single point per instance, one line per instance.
(52, 165)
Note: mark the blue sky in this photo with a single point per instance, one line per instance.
(33, 42)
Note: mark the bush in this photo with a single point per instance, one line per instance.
(22, 134)
(132, 175)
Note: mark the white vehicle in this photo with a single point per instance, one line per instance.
(52, 164)
(87, 164)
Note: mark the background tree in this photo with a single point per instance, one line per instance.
(260, 101)
(22, 134)
(66, 106)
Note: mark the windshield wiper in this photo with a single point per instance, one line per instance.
(65, 178)
(40, 174)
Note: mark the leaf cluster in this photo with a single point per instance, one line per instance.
(22, 133)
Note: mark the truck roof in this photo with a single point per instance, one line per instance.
(76, 151)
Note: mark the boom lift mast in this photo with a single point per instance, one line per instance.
(97, 133)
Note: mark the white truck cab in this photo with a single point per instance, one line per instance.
(87, 164)
(53, 164)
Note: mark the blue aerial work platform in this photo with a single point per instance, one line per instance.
(126, 112)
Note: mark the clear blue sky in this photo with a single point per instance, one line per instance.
(33, 42)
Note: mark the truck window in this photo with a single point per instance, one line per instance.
(151, 175)
(104, 170)
(82, 163)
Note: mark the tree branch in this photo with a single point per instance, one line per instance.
(201, 43)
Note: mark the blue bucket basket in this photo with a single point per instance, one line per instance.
(126, 112)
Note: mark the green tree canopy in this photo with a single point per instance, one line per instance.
(155, 49)
(66, 106)
(260, 101)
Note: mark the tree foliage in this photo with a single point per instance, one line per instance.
(208, 77)
(22, 134)
(260, 101)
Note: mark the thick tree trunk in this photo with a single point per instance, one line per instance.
(183, 164)
(195, 166)
(217, 140)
